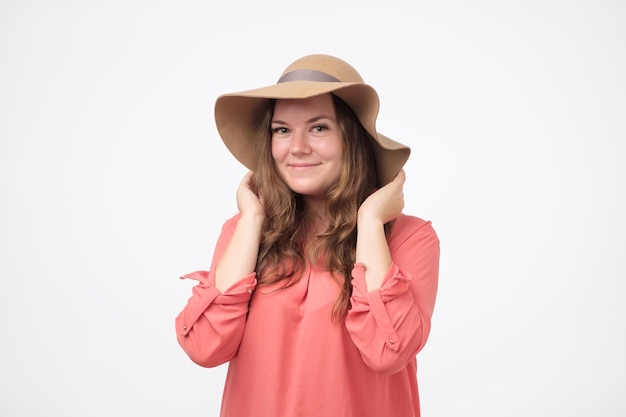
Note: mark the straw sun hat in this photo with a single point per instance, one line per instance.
(238, 115)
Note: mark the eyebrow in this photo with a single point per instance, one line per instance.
(311, 120)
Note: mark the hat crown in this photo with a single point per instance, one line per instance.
(327, 64)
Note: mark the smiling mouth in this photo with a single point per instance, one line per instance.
(302, 166)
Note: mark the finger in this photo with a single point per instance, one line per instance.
(248, 179)
(398, 181)
(401, 176)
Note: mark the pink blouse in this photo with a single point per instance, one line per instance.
(288, 358)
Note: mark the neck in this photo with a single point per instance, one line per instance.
(315, 206)
(316, 213)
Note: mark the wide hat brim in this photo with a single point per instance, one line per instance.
(238, 117)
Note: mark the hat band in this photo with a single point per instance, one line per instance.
(307, 75)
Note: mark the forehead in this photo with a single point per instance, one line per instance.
(318, 106)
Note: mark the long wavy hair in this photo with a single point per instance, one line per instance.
(282, 256)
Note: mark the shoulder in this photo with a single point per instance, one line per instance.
(231, 223)
(407, 227)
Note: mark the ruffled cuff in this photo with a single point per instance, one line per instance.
(394, 283)
(365, 303)
(205, 294)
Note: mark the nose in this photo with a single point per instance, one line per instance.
(300, 143)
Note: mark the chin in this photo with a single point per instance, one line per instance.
(308, 191)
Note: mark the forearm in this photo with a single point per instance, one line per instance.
(240, 257)
(385, 325)
(211, 325)
(372, 251)
(391, 324)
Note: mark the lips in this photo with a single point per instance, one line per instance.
(303, 165)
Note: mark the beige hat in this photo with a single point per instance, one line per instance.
(238, 115)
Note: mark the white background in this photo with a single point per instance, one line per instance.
(114, 183)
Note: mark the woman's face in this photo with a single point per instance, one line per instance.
(307, 146)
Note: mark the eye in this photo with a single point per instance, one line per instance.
(279, 130)
(319, 128)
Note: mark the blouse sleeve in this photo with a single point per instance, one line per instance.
(390, 325)
(210, 327)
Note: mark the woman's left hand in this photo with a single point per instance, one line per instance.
(386, 203)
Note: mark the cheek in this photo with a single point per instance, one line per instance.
(331, 151)
(279, 150)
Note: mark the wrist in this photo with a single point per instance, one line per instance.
(369, 223)
(251, 221)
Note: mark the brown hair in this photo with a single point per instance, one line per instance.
(282, 256)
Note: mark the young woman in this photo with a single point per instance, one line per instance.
(321, 291)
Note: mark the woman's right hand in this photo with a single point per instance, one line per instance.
(248, 202)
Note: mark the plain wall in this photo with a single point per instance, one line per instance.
(114, 182)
